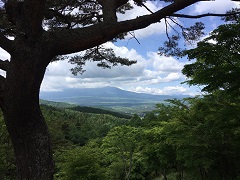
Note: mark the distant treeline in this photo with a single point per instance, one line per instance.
(100, 111)
(85, 109)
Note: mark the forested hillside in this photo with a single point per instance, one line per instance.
(68, 129)
(85, 109)
(195, 138)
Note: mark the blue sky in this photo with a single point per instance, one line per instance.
(152, 74)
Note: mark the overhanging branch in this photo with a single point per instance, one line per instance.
(146, 20)
(34, 13)
(74, 40)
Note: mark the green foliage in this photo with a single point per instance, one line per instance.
(69, 126)
(121, 149)
(105, 57)
(81, 163)
(85, 109)
(191, 34)
(217, 63)
(160, 156)
(194, 138)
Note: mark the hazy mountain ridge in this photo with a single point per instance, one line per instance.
(109, 97)
(101, 92)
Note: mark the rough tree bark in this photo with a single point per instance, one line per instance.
(22, 114)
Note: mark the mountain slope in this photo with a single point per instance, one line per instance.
(109, 97)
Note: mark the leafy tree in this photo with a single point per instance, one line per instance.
(135, 121)
(217, 65)
(121, 146)
(83, 163)
(160, 156)
(197, 140)
(43, 30)
(217, 69)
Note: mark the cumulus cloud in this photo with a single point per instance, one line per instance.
(217, 6)
(165, 64)
(152, 70)
(168, 90)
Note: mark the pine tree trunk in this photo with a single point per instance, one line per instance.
(31, 143)
(23, 117)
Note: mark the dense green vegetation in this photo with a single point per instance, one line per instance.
(191, 139)
(69, 129)
(197, 138)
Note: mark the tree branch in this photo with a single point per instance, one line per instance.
(67, 41)
(5, 43)
(27, 15)
(4, 65)
(203, 15)
(33, 15)
(109, 9)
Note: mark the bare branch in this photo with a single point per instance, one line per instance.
(133, 35)
(6, 44)
(4, 65)
(166, 29)
(203, 15)
(176, 31)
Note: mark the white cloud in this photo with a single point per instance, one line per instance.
(165, 64)
(217, 6)
(153, 70)
(168, 90)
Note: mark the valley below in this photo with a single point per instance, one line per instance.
(110, 98)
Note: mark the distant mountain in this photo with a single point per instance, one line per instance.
(109, 97)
